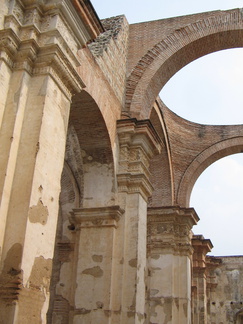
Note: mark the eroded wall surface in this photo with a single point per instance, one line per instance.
(225, 302)
(78, 170)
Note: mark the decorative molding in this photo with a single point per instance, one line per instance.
(169, 230)
(9, 44)
(51, 60)
(38, 38)
(141, 133)
(139, 142)
(135, 183)
(96, 217)
(201, 247)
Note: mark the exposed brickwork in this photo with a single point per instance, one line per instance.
(147, 34)
(220, 31)
(160, 166)
(110, 51)
(199, 145)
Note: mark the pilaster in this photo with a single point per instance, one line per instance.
(38, 61)
(138, 144)
(169, 258)
(201, 247)
(96, 254)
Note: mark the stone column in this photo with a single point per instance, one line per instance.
(37, 57)
(169, 258)
(138, 144)
(199, 280)
(95, 251)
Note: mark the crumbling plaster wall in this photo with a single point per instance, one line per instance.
(226, 301)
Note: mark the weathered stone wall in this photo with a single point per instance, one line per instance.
(225, 301)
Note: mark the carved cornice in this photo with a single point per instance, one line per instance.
(169, 230)
(134, 183)
(41, 39)
(78, 15)
(51, 61)
(9, 44)
(201, 247)
(89, 16)
(96, 217)
(139, 142)
(141, 133)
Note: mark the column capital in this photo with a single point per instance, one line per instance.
(169, 230)
(139, 142)
(96, 217)
(201, 247)
(141, 133)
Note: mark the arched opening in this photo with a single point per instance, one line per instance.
(87, 181)
(217, 198)
(209, 89)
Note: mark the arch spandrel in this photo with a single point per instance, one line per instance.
(223, 30)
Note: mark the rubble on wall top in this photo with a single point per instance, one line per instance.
(112, 28)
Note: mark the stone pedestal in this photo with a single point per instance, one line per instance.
(169, 264)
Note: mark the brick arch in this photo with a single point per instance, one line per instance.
(201, 162)
(179, 48)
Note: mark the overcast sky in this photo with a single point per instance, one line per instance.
(209, 91)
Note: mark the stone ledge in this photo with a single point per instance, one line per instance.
(96, 217)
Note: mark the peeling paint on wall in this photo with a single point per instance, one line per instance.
(38, 213)
(96, 272)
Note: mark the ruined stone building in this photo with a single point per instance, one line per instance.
(96, 172)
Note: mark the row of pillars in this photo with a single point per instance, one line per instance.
(121, 276)
(134, 262)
